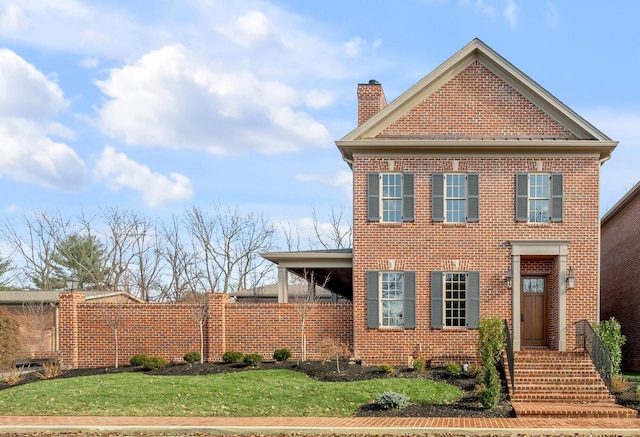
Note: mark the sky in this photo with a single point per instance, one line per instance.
(159, 105)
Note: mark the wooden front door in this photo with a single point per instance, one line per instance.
(533, 313)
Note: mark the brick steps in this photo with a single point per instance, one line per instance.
(552, 384)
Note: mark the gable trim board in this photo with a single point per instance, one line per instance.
(476, 50)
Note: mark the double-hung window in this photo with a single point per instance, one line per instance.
(539, 197)
(455, 299)
(454, 197)
(390, 197)
(391, 299)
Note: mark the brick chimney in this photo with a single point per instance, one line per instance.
(370, 100)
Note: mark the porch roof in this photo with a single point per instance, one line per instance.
(336, 264)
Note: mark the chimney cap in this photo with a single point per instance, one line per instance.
(374, 82)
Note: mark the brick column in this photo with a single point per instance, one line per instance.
(69, 328)
(216, 336)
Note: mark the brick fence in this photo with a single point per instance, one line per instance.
(169, 330)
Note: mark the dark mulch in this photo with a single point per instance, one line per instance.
(467, 406)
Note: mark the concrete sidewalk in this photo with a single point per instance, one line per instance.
(320, 425)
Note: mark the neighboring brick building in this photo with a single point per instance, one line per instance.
(620, 272)
(475, 193)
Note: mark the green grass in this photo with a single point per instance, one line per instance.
(254, 393)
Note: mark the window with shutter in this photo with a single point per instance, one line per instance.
(391, 299)
(455, 299)
(390, 197)
(454, 197)
(539, 197)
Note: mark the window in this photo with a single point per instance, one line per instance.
(539, 197)
(455, 299)
(391, 299)
(454, 197)
(390, 197)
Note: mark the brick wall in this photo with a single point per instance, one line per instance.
(424, 246)
(170, 330)
(620, 266)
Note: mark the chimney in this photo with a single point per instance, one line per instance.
(370, 100)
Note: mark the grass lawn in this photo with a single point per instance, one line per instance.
(254, 393)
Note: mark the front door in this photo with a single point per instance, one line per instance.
(533, 314)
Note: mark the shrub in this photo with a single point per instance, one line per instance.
(619, 384)
(153, 363)
(474, 370)
(282, 354)
(252, 359)
(419, 364)
(50, 370)
(192, 357)
(14, 376)
(452, 370)
(232, 357)
(611, 335)
(390, 400)
(138, 360)
(489, 391)
(386, 368)
(491, 340)
(333, 348)
(9, 339)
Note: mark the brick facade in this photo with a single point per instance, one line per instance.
(620, 267)
(169, 330)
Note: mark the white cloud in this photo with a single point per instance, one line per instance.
(12, 18)
(342, 180)
(28, 155)
(118, 171)
(25, 91)
(89, 62)
(553, 16)
(175, 99)
(248, 29)
(510, 13)
(354, 46)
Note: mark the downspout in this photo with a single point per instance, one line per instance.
(56, 318)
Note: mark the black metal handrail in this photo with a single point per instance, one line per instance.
(510, 355)
(600, 356)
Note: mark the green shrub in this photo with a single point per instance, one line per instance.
(491, 340)
(452, 370)
(192, 357)
(282, 354)
(611, 335)
(386, 368)
(419, 364)
(138, 360)
(390, 400)
(232, 357)
(489, 391)
(475, 370)
(252, 359)
(153, 363)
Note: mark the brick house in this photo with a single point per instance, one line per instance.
(475, 194)
(620, 272)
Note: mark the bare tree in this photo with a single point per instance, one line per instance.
(35, 241)
(180, 264)
(291, 237)
(304, 304)
(38, 320)
(113, 314)
(121, 236)
(199, 311)
(336, 234)
(203, 229)
(334, 348)
(146, 262)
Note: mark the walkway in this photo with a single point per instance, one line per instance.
(320, 425)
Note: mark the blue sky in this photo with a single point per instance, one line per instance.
(157, 105)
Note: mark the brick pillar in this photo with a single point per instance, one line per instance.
(371, 100)
(216, 327)
(69, 328)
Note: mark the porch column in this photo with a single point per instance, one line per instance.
(515, 266)
(562, 302)
(283, 285)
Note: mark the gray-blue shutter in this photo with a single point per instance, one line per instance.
(473, 299)
(372, 300)
(409, 314)
(556, 197)
(437, 197)
(373, 197)
(473, 208)
(407, 197)
(436, 300)
(522, 197)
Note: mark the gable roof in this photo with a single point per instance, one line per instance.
(367, 137)
(18, 297)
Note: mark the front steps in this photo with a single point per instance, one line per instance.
(552, 384)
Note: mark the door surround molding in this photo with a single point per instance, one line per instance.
(556, 248)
